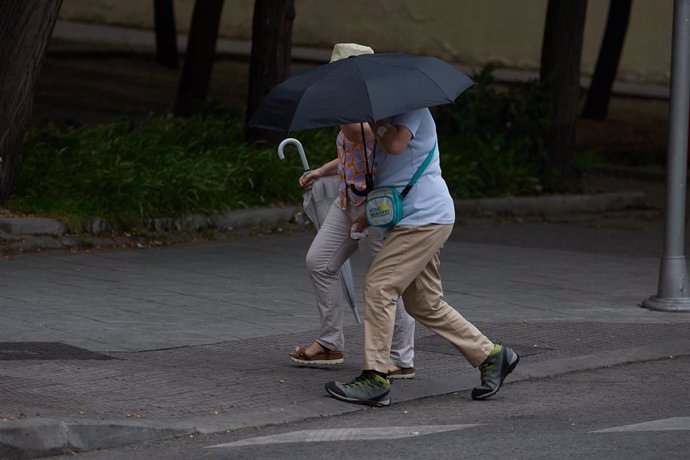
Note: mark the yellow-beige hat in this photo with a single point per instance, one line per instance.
(345, 50)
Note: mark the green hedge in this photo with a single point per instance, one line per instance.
(491, 141)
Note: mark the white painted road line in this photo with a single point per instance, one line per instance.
(347, 434)
(667, 424)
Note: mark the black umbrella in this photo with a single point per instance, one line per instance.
(369, 87)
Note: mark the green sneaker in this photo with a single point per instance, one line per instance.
(494, 370)
(369, 388)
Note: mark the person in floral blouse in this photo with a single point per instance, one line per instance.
(340, 235)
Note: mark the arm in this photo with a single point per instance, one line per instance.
(393, 138)
(306, 180)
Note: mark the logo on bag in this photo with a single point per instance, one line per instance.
(382, 210)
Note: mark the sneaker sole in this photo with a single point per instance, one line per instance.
(381, 403)
(317, 362)
(401, 376)
(500, 384)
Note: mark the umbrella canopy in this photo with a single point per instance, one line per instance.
(368, 87)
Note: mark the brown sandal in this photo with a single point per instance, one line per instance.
(402, 373)
(324, 358)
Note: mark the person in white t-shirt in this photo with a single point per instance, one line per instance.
(407, 266)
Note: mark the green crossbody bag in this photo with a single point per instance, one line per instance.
(384, 206)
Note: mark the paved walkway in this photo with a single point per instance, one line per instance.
(107, 347)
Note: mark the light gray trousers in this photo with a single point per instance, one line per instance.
(331, 247)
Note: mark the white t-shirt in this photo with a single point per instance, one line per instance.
(429, 201)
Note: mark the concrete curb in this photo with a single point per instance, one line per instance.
(19, 226)
(32, 226)
(551, 205)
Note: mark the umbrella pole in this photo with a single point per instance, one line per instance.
(368, 177)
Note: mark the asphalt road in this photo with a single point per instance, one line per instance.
(633, 411)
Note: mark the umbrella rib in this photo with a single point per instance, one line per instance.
(436, 83)
(371, 108)
(448, 97)
(297, 107)
(451, 99)
(302, 98)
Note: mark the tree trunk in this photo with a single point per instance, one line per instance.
(270, 59)
(25, 29)
(560, 72)
(599, 94)
(198, 61)
(166, 34)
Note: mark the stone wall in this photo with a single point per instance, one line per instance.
(468, 32)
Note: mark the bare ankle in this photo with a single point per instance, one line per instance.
(315, 348)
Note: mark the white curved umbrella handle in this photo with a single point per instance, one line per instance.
(300, 149)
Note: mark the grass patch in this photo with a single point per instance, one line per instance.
(166, 167)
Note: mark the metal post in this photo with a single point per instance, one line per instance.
(674, 289)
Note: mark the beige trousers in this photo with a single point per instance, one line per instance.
(407, 266)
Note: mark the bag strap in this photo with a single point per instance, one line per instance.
(419, 172)
(369, 176)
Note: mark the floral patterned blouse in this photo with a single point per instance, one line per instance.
(352, 169)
